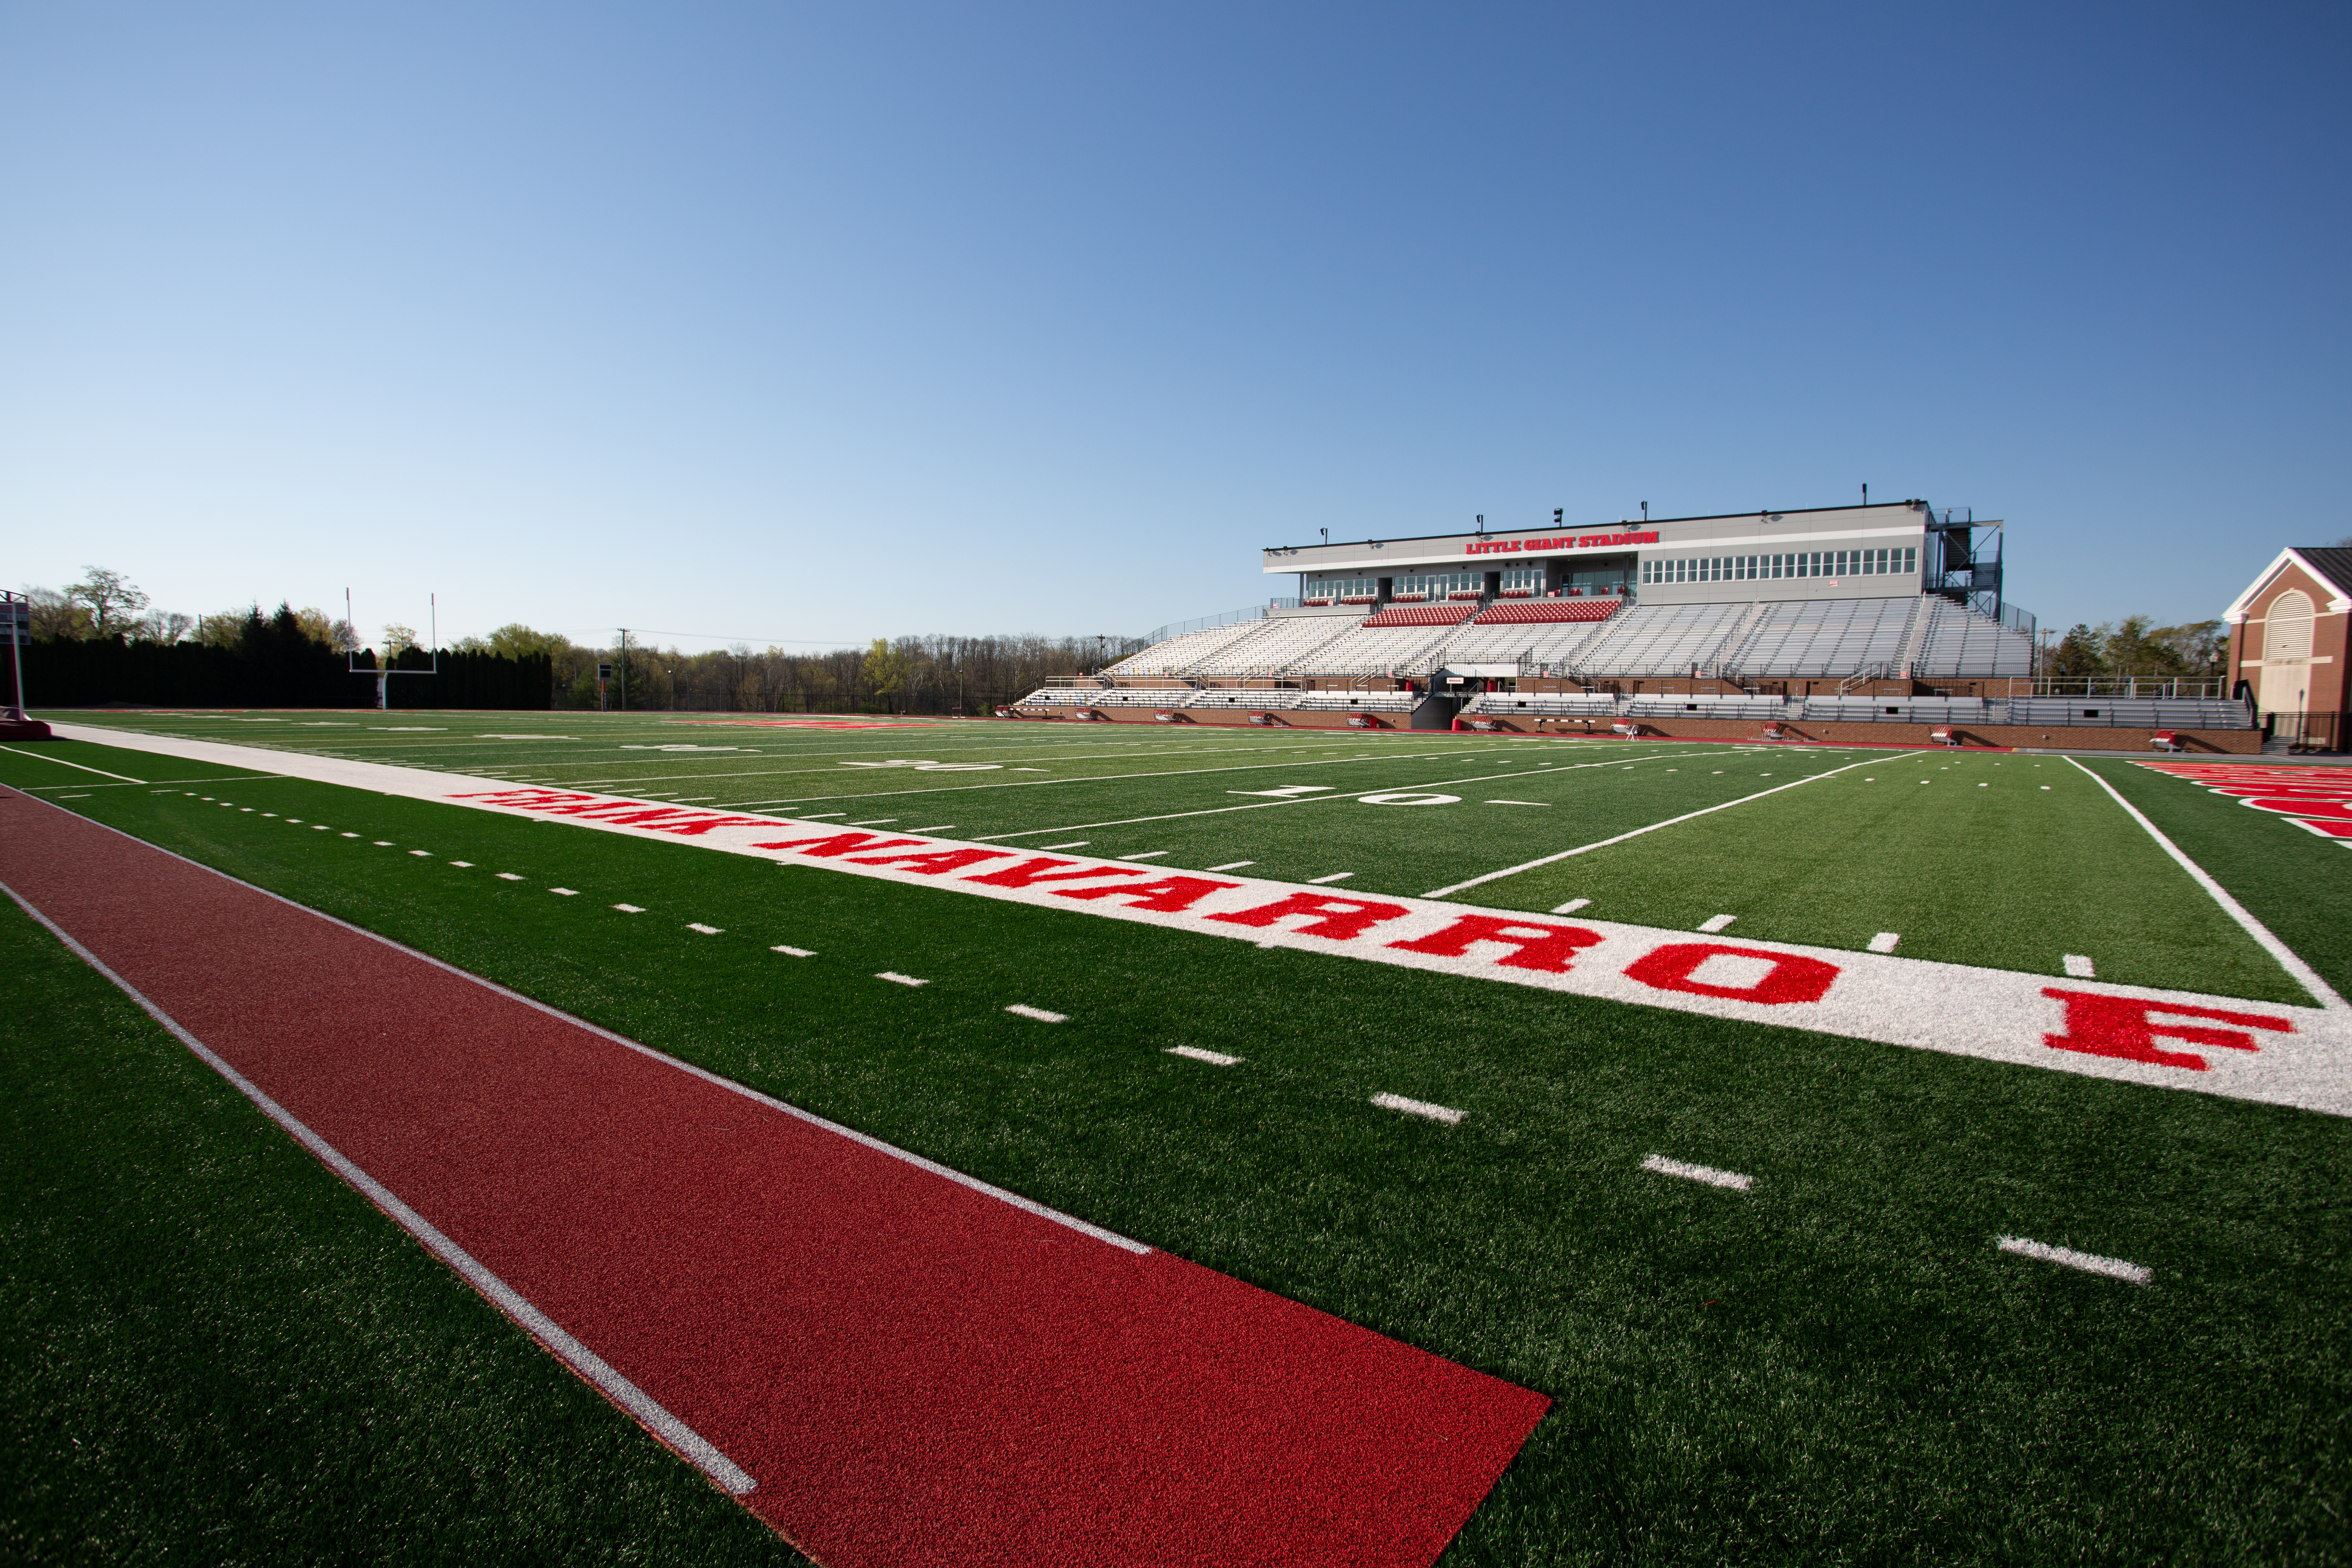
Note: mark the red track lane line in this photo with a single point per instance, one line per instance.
(912, 1369)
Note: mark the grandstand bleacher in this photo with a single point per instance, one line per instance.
(1827, 636)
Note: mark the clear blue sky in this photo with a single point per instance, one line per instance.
(822, 324)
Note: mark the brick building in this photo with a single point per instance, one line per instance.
(2288, 637)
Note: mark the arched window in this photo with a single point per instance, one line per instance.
(2288, 635)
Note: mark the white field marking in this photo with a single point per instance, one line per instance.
(1603, 843)
(1571, 907)
(245, 810)
(1214, 1059)
(2304, 974)
(1885, 941)
(84, 795)
(1286, 761)
(463, 865)
(1534, 801)
(350, 836)
(1232, 865)
(380, 843)
(565, 892)
(2089, 1262)
(934, 827)
(820, 815)
(101, 773)
(895, 978)
(1147, 855)
(1716, 922)
(1334, 877)
(1023, 1010)
(1074, 844)
(2045, 787)
(425, 854)
(1284, 790)
(1707, 1173)
(2081, 968)
(791, 951)
(1415, 790)
(1444, 1113)
(698, 925)
(1984, 786)
(510, 876)
(630, 909)
(268, 813)
(871, 822)
(696, 1449)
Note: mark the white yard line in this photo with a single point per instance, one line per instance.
(1707, 1173)
(2306, 976)
(791, 951)
(1670, 822)
(101, 773)
(1885, 941)
(1214, 1059)
(895, 978)
(1444, 1113)
(1023, 1010)
(707, 930)
(1716, 922)
(1548, 772)
(2089, 1262)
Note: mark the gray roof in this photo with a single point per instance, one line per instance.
(2333, 562)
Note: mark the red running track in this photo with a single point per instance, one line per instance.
(907, 1369)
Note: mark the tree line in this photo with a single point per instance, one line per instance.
(98, 641)
(2136, 647)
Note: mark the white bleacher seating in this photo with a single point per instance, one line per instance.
(1278, 642)
(1543, 704)
(1823, 637)
(1657, 639)
(1358, 701)
(2133, 712)
(1961, 642)
(1853, 709)
(1376, 650)
(1175, 656)
(1060, 697)
(1705, 707)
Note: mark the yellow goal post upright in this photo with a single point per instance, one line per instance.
(383, 672)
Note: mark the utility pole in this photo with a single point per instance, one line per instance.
(625, 670)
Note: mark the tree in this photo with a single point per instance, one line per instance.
(111, 599)
(162, 627)
(2199, 646)
(2081, 654)
(55, 617)
(886, 670)
(398, 638)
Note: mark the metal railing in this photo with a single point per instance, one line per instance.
(1210, 623)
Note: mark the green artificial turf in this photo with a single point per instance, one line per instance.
(213, 1351)
(1837, 1365)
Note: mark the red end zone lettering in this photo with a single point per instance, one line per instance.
(1792, 977)
(841, 844)
(1534, 946)
(1340, 917)
(1045, 870)
(2124, 1027)
(1170, 895)
(937, 863)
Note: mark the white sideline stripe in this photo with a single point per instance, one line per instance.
(1214, 1059)
(1707, 1173)
(101, 773)
(630, 909)
(1334, 877)
(1147, 855)
(707, 930)
(1885, 941)
(1232, 865)
(1530, 802)
(2089, 1262)
(1022, 1009)
(2308, 977)
(897, 979)
(934, 827)
(1606, 843)
(1075, 844)
(1571, 907)
(794, 951)
(1444, 1113)
(690, 1445)
(1716, 922)
(2079, 968)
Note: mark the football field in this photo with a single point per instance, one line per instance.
(1781, 1284)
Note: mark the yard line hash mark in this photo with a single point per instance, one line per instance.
(2081, 968)
(790, 952)
(707, 930)
(1232, 865)
(1147, 855)
(1444, 1113)
(565, 892)
(630, 909)
(895, 978)
(1885, 941)
(2089, 1262)
(1214, 1059)
(1571, 907)
(1716, 922)
(1023, 1010)
(502, 875)
(1707, 1173)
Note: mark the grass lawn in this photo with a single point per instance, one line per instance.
(1835, 1365)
